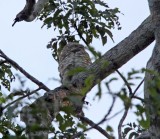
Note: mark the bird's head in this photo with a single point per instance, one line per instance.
(20, 17)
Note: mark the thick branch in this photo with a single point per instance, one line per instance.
(112, 60)
(118, 55)
(39, 115)
(151, 86)
(144, 135)
(100, 69)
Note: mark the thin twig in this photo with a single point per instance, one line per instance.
(141, 99)
(95, 126)
(80, 35)
(111, 107)
(126, 111)
(107, 119)
(137, 88)
(30, 77)
(18, 99)
(125, 81)
(121, 122)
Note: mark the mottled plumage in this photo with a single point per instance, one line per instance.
(72, 59)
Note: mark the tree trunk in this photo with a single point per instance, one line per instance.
(115, 58)
(151, 89)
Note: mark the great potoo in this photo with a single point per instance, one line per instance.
(72, 59)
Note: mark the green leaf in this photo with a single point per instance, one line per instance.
(109, 129)
(48, 21)
(2, 100)
(81, 18)
(144, 123)
(133, 134)
(59, 118)
(127, 129)
(75, 71)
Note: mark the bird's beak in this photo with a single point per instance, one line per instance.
(15, 21)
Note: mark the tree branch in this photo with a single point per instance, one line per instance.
(133, 95)
(151, 80)
(107, 119)
(30, 77)
(108, 113)
(41, 112)
(144, 135)
(96, 126)
(126, 111)
(115, 57)
(132, 45)
(125, 81)
(20, 98)
(121, 123)
(118, 55)
(141, 99)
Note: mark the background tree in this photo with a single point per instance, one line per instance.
(82, 79)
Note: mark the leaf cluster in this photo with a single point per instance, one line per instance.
(68, 127)
(77, 20)
(6, 75)
(7, 126)
(131, 130)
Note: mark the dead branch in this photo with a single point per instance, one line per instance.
(30, 77)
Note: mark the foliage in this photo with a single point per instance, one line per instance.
(77, 20)
(132, 130)
(6, 76)
(7, 126)
(68, 127)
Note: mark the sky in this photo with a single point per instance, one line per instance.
(26, 44)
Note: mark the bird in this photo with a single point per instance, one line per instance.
(26, 13)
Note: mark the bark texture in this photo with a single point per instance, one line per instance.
(113, 59)
(74, 57)
(151, 78)
(40, 114)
